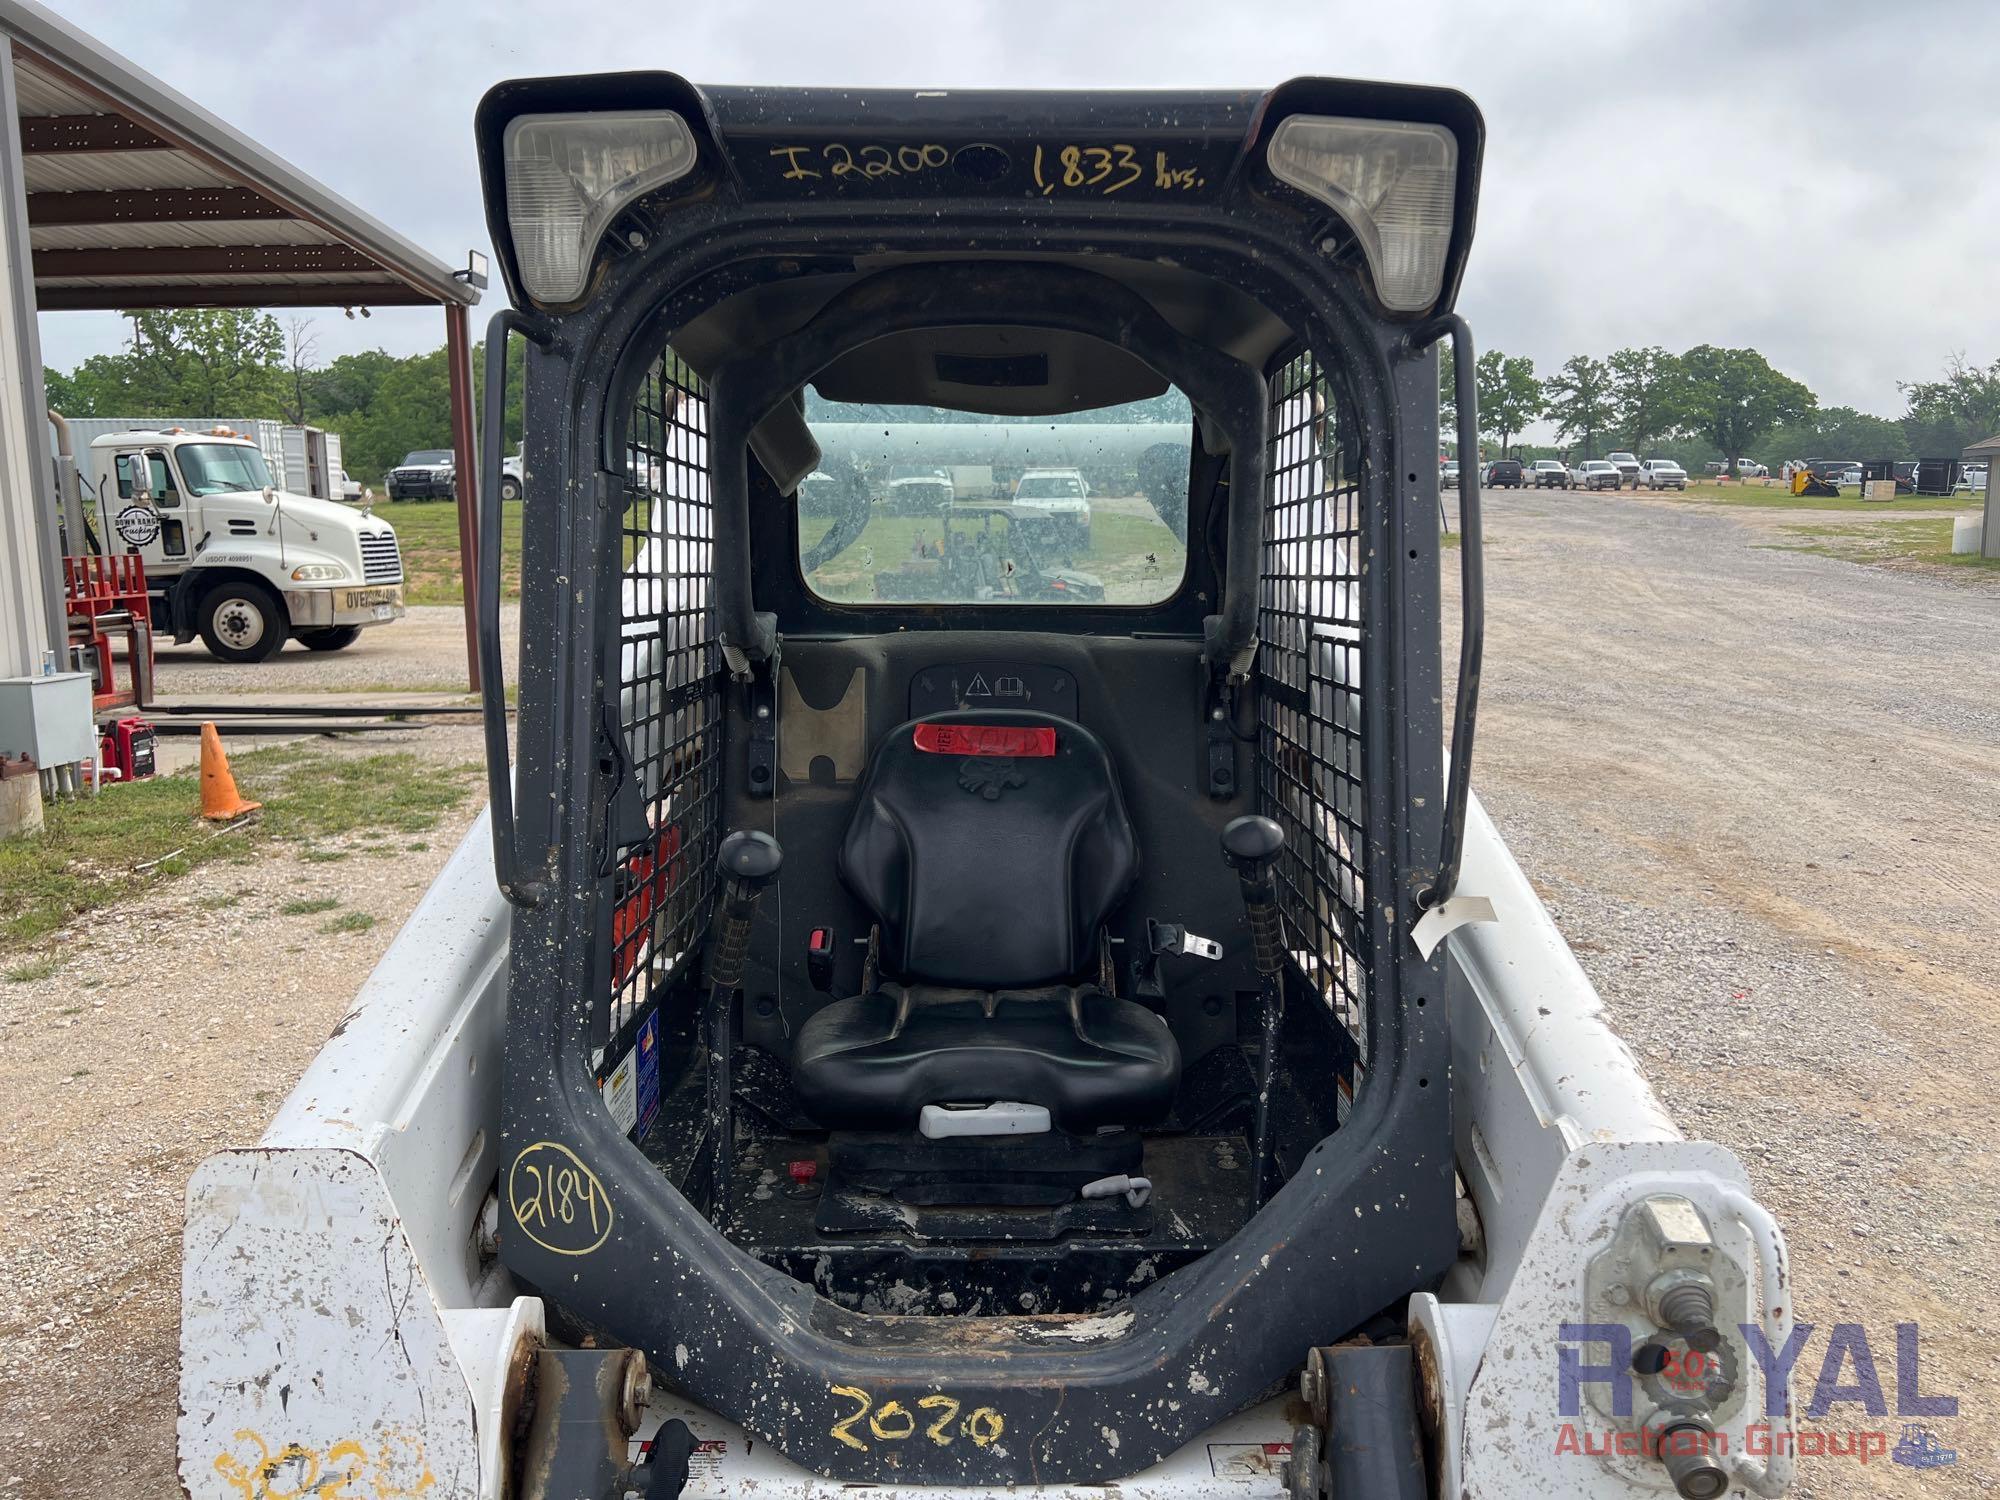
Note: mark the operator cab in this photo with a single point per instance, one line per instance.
(979, 747)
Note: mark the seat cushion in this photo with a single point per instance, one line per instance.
(989, 871)
(1116, 1064)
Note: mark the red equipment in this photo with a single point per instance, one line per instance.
(129, 748)
(103, 594)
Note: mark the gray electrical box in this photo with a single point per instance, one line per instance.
(48, 718)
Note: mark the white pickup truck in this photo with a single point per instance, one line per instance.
(231, 557)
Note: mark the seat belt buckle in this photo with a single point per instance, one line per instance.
(1164, 937)
(819, 959)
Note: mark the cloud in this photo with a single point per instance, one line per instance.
(1810, 177)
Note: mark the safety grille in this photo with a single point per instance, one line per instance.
(670, 699)
(381, 558)
(1310, 775)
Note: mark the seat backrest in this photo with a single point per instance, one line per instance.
(990, 845)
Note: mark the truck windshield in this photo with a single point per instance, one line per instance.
(1049, 487)
(220, 468)
(922, 505)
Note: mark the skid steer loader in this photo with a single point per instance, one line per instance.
(898, 1026)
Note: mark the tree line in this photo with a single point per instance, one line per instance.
(1699, 406)
(234, 363)
(1711, 404)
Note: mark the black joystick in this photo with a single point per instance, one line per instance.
(747, 862)
(1251, 847)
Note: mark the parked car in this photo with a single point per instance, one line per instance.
(425, 474)
(1664, 474)
(1551, 474)
(1850, 476)
(349, 489)
(1503, 474)
(511, 477)
(1596, 474)
(1449, 473)
(1971, 480)
(1749, 468)
(1627, 465)
(1064, 495)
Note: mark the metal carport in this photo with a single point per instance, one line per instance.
(121, 193)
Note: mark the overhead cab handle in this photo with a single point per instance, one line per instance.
(507, 871)
(1472, 602)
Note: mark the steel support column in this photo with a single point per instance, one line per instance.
(33, 588)
(465, 449)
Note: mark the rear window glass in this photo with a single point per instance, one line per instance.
(922, 505)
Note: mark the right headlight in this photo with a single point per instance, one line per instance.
(1392, 182)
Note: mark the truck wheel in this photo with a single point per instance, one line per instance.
(242, 622)
(339, 638)
(510, 488)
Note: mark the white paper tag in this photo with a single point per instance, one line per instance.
(1448, 917)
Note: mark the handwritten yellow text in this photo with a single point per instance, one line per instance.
(558, 1201)
(392, 1466)
(891, 1421)
(839, 159)
(1108, 169)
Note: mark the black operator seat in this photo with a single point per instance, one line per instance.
(990, 846)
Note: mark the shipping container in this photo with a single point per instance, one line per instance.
(312, 462)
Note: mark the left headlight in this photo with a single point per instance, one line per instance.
(1393, 183)
(569, 175)
(318, 573)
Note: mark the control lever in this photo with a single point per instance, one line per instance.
(1250, 847)
(748, 862)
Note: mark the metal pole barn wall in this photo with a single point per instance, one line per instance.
(465, 469)
(31, 601)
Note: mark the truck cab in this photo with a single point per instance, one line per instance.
(1063, 494)
(229, 556)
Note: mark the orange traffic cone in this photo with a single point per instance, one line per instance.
(220, 801)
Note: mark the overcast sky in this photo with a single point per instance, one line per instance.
(1818, 179)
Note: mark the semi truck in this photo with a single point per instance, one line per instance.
(231, 554)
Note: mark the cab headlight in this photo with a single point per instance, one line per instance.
(1392, 182)
(569, 175)
(318, 573)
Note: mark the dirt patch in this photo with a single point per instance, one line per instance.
(166, 1029)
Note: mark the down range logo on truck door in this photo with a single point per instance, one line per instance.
(138, 524)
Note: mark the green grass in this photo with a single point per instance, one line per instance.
(309, 906)
(1777, 497)
(1893, 543)
(427, 531)
(28, 973)
(1120, 546)
(89, 851)
(352, 921)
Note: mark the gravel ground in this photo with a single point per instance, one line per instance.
(1757, 788)
(422, 652)
(169, 1029)
(1761, 792)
